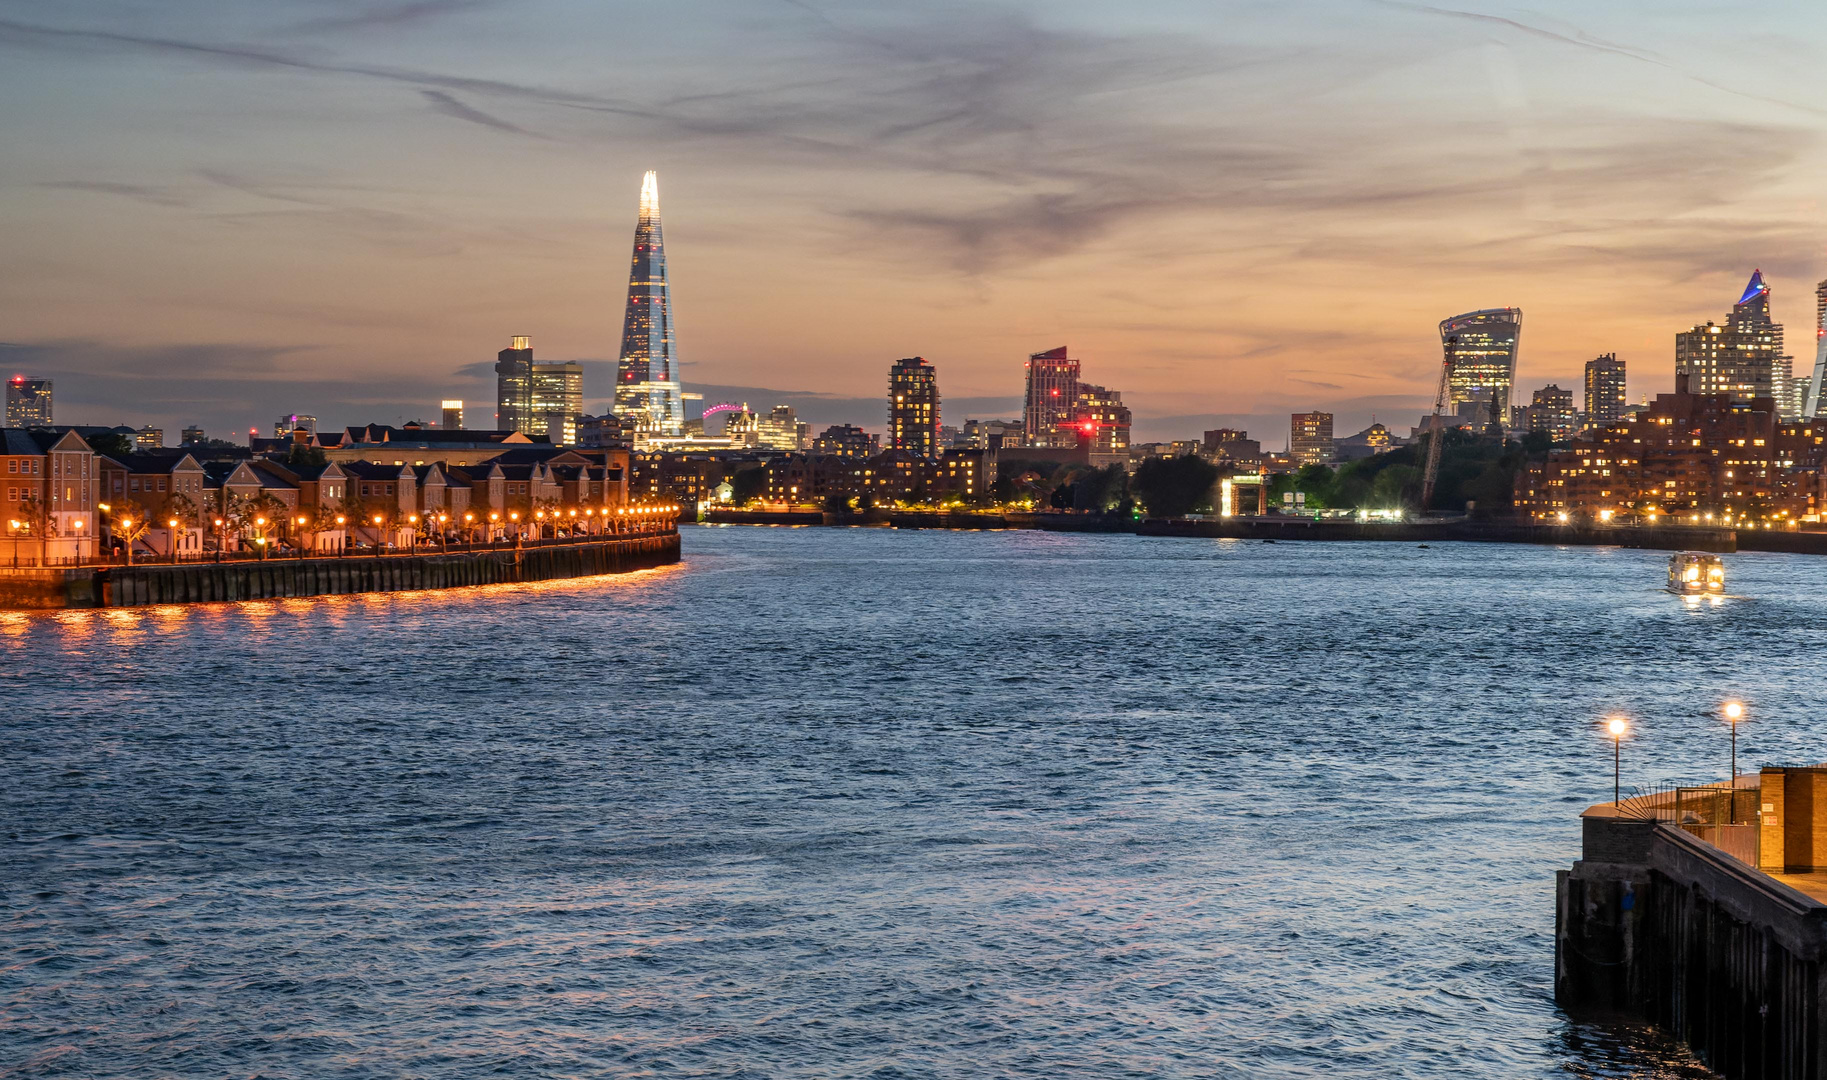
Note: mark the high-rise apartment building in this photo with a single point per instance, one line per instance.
(913, 407)
(1310, 438)
(1102, 418)
(1743, 358)
(194, 436)
(558, 401)
(149, 438)
(647, 392)
(453, 415)
(1481, 349)
(514, 385)
(28, 402)
(1550, 410)
(1605, 398)
(1052, 399)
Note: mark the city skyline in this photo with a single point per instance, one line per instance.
(972, 230)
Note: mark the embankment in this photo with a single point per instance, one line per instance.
(189, 583)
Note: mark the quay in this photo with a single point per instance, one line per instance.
(1282, 527)
(1703, 911)
(189, 582)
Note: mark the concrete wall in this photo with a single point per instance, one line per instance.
(1656, 925)
(41, 589)
(129, 586)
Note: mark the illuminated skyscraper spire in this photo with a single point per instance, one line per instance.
(1811, 408)
(647, 385)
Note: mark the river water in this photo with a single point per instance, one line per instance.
(861, 803)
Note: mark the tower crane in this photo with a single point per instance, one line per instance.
(1436, 431)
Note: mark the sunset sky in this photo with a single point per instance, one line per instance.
(218, 211)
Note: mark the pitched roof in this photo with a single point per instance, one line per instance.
(20, 441)
(156, 463)
(369, 470)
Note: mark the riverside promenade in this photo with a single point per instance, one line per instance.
(1704, 912)
(43, 588)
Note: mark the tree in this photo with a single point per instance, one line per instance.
(748, 484)
(837, 503)
(1174, 487)
(129, 523)
(257, 517)
(305, 454)
(1394, 488)
(111, 443)
(1319, 484)
(1098, 490)
(181, 509)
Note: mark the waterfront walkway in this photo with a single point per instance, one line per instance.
(333, 575)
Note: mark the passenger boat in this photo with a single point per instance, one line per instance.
(1695, 573)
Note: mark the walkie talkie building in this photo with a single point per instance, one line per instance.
(1481, 351)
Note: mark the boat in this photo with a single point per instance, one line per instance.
(1695, 573)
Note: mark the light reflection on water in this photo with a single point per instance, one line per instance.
(861, 802)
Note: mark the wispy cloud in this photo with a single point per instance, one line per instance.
(450, 106)
(387, 16)
(158, 196)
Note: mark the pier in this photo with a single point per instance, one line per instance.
(42, 588)
(1704, 912)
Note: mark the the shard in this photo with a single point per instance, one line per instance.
(647, 396)
(1811, 407)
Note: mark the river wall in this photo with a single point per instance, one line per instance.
(130, 586)
(1653, 924)
(1664, 538)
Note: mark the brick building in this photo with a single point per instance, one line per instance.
(1701, 456)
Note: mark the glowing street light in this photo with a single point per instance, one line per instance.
(1734, 712)
(1617, 726)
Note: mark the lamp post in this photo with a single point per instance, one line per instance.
(1617, 726)
(1734, 712)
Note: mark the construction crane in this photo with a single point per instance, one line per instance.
(1436, 433)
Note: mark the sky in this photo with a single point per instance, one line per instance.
(220, 212)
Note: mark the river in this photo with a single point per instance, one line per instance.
(862, 803)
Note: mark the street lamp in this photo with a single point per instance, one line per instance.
(1617, 726)
(1734, 712)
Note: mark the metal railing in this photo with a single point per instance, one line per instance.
(423, 546)
(1724, 814)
